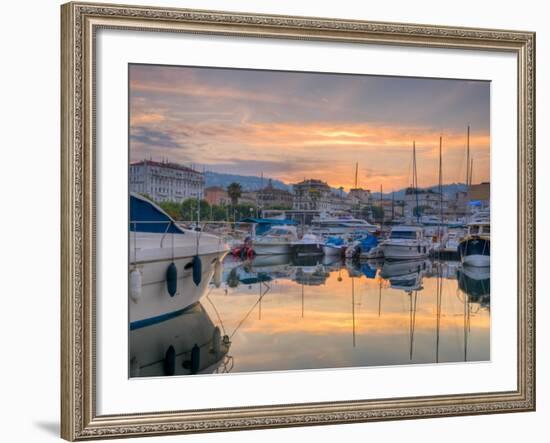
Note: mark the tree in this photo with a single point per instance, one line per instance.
(219, 212)
(234, 190)
(189, 208)
(173, 209)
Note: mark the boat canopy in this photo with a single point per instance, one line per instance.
(335, 241)
(146, 216)
(265, 224)
(368, 242)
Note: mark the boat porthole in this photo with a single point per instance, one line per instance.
(188, 266)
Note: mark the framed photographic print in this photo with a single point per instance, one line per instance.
(283, 221)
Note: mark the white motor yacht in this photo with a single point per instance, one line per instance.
(406, 242)
(169, 267)
(276, 240)
(309, 244)
(341, 225)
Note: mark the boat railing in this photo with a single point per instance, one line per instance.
(227, 231)
(134, 224)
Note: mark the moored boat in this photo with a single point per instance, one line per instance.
(170, 267)
(327, 225)
(475, 248)
(406, 242)
(365, 247)
(309, 244)
(334, 246)
(276, 240)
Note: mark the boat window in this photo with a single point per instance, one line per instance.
(409, 235)
(474, 230)
(486, 229)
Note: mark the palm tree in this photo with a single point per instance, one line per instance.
(234, 190)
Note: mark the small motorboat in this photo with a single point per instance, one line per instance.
(475, 248)
(334, 246)
(276, 240)
(366, 247)
(309, 244)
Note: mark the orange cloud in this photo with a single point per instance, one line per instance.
(329, 151)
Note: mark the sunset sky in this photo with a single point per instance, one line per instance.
(291, 125)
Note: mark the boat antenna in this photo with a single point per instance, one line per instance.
(356, 172)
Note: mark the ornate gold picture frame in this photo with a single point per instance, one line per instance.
(80, 23)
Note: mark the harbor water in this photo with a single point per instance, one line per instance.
(279, 313)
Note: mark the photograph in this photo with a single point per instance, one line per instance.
(291, 220)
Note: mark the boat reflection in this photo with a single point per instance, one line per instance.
(475, 281)
(405, 275)
(188, 343)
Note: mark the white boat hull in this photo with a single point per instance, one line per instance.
(332, 250)
(271, 248)
(405, 252)
(151, 255)
(477, 260)
(155, 303)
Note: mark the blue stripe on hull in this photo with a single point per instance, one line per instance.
(159, 318)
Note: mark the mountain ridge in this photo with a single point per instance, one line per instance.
(252, 183)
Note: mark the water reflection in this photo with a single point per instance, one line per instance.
(188, 343)
(280, 313)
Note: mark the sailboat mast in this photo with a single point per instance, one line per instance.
(440, 186)
(382, 209)
(468, 157)
(415, 182)
(356, 184)
(392, 205)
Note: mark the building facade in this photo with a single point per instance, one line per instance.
(428, 200)
(271, 197)
(164, 181)
(479, 196)
(248, 198)
(312, 195)
(359, 196)
(392, 208)
(216, 195)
